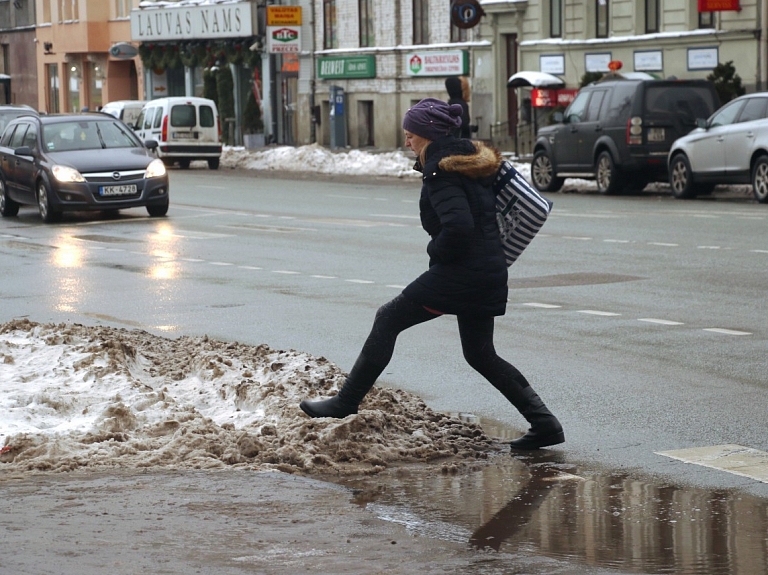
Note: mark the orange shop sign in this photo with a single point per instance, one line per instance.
(718, 5)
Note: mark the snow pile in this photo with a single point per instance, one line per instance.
(99, 397)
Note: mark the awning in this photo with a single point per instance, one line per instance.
(535, 80)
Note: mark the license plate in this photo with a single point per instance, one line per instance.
(182, 135)
(656, 135)
(118, 190)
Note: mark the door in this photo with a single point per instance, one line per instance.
(26, 165)
(740, 140)
(569, 135)
(591, 129)
(709, 149)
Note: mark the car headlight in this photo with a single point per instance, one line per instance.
(66, 174)
(155, 169)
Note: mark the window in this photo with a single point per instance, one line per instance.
(366, 23)
(207, 117)
(754, 109)
(420, 22)
(46, 19)
(52, 75)
(68, 10)
(18, 135)
(593, 110)
(706, 19)
(157, 121)
(30, 138)
(727, 115)
(458, 34)
(556, 18)
(601, 19)
(576, 111)
(122, 8)
(330, 38)
(651, 15)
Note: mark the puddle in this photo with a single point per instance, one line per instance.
(540, 504)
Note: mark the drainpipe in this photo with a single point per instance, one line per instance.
(762, 44)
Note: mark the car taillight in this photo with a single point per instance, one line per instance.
(635, 130)
(164, 133)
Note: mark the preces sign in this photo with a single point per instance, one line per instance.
(442, 63)
(192, 22)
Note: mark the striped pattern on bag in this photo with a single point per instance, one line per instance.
(520, 211)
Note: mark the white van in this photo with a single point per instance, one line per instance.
(185, 128)
(126, 110)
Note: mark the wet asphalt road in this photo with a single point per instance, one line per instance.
(640, 320)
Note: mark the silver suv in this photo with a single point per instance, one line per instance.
(618, 131)
(731, 147)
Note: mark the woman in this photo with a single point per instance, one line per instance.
(467, 275)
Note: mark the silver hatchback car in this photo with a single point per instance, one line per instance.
(731, 147)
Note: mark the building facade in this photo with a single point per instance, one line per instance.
(75, 68)
(18, 53)
(367, 54)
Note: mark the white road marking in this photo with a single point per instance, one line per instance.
(736, 459)
(359, 281)
(579, 238)
(596, 312)
(395, 286)
(660, 321)
(324, 277)
(707, 247)
(543, 305)
(221, 264)
(663, 244)
(195, 260)
(759, 251)
(250, 267)
(286, 272)
(726, 331)
(617, 241)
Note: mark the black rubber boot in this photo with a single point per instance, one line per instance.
(545, 428)
(359, 382)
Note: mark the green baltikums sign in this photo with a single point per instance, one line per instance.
(347, 67)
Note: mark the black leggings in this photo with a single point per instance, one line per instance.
(476, 335)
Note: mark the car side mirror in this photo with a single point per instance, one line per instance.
(701, 123)
(150, 144)
(24, 151)
(558, 117)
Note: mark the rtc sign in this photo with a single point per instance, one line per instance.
(283, 40)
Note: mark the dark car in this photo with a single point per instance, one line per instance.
(74, 162)
(10, 112)
(619, 131)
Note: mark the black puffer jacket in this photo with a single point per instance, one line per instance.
(467, 272)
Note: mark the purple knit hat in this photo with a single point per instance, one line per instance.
(432, 118)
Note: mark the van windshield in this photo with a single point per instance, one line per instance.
(183, 116)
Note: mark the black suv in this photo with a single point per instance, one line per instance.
(619, 131)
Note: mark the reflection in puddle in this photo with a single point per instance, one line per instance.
(539, 504)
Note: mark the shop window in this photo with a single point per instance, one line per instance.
(601, 19)
(73, 88)
(420, 21)
(367, 37)
(365, 123)
(330, 33)
(556, 18)
(651, 15)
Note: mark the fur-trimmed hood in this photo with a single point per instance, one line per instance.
(484, 162)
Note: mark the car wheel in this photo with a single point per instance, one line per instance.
(543, 173)
(607, 175)
(760, 179)
(47, 213)
(157, 210)
(8, 208)
(184, 164)
(213, 163)
(681, 178)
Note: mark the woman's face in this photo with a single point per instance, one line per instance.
(415, 143)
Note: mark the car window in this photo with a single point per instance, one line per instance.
(686, 101)
(183, 116)
(148, 115)
(754, 109)
(30, 138)
(7, 134)
(575, 111)
(158, 117)
(207, 117)
(593, 110)
(88, 135)
(726, 115)
(18, 135)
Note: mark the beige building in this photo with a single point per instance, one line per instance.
(18, 84)
(74, 67)
(367, 48)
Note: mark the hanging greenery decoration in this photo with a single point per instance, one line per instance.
(163, 55)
